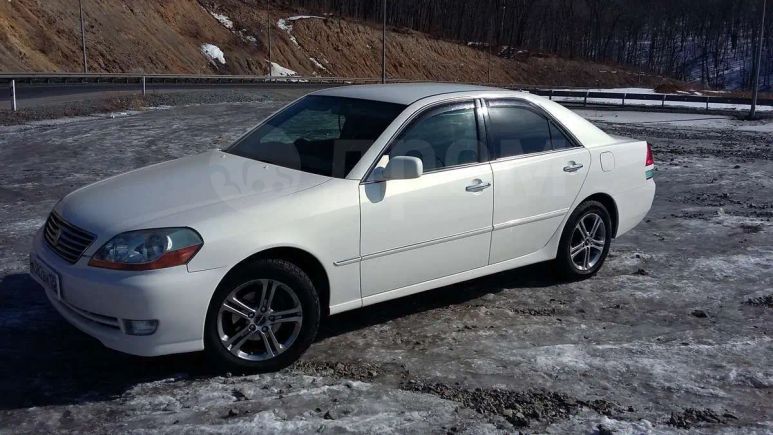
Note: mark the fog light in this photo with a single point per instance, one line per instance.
(140, 327)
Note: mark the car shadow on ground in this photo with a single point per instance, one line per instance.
(537, 275)
(46, 361)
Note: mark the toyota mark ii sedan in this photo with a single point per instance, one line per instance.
(346, 197)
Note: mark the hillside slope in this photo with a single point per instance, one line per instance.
(167, 37)
(141, 35)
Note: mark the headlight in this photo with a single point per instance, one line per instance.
(148, 249)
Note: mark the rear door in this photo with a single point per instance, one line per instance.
(538, 172)
(436, 225)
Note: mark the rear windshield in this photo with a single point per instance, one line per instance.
(319, 134)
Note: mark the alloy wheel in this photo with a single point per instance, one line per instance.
(588, 241)
(259, 320)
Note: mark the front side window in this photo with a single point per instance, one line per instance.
(323, 135)
(442, 137)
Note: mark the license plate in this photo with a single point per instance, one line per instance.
(45, 276)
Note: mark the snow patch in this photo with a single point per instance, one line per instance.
(279, 70)
(213, 52)
(622, 90)
(732, 267)
(286, 24)
(288, 27)
(317, 64)
(681, 120)
(229, 24)
(224, 20)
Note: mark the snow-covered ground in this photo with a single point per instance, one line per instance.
(213, 52)
(279, 70)
(731, 72)
(674, 332)
(671, 120)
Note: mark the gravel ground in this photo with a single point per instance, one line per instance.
(673, 334)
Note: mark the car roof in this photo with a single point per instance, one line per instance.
(401, 93)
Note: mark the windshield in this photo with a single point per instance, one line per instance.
(319, 134)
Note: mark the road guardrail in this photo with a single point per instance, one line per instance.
(142, 80)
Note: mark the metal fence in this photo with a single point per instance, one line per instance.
(585, 97)
(141, 79)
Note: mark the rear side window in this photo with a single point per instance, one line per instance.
(559, 139)
(514, 131)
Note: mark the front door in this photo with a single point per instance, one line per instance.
(439, 224)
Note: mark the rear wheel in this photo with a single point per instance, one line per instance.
(262, 317)
(585, 241)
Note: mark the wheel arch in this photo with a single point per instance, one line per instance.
(301, 258)
(609, 203)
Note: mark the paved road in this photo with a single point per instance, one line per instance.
(37, 95)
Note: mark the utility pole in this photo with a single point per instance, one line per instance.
(268, 29)
(83, 38)
(501, 25)
(756, 81)
(489, 44)
(488, 60)
(13, 95)
(383, 43)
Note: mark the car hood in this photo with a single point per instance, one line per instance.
(129, 200)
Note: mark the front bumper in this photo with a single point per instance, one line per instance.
(97, 301)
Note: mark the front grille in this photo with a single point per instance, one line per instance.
(66, 239)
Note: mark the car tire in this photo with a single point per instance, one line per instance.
(231, 323)
(581, 255)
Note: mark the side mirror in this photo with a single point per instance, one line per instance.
(403, 168)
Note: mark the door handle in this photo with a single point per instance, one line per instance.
(573, 167)
(478, 186)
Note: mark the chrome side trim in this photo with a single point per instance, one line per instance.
(414, 246)
(347, 261)
(530, 219)
(526, 156)
(435, 171)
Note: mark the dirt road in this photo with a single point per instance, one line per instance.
(673, 333)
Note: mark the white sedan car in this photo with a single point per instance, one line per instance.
(346, 197)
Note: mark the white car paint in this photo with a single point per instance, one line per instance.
(532, 196)
(375, 240)
(409, 213)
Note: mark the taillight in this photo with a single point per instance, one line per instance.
(650, 160)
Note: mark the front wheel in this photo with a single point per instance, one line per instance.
(585, 241)
(262, 317)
